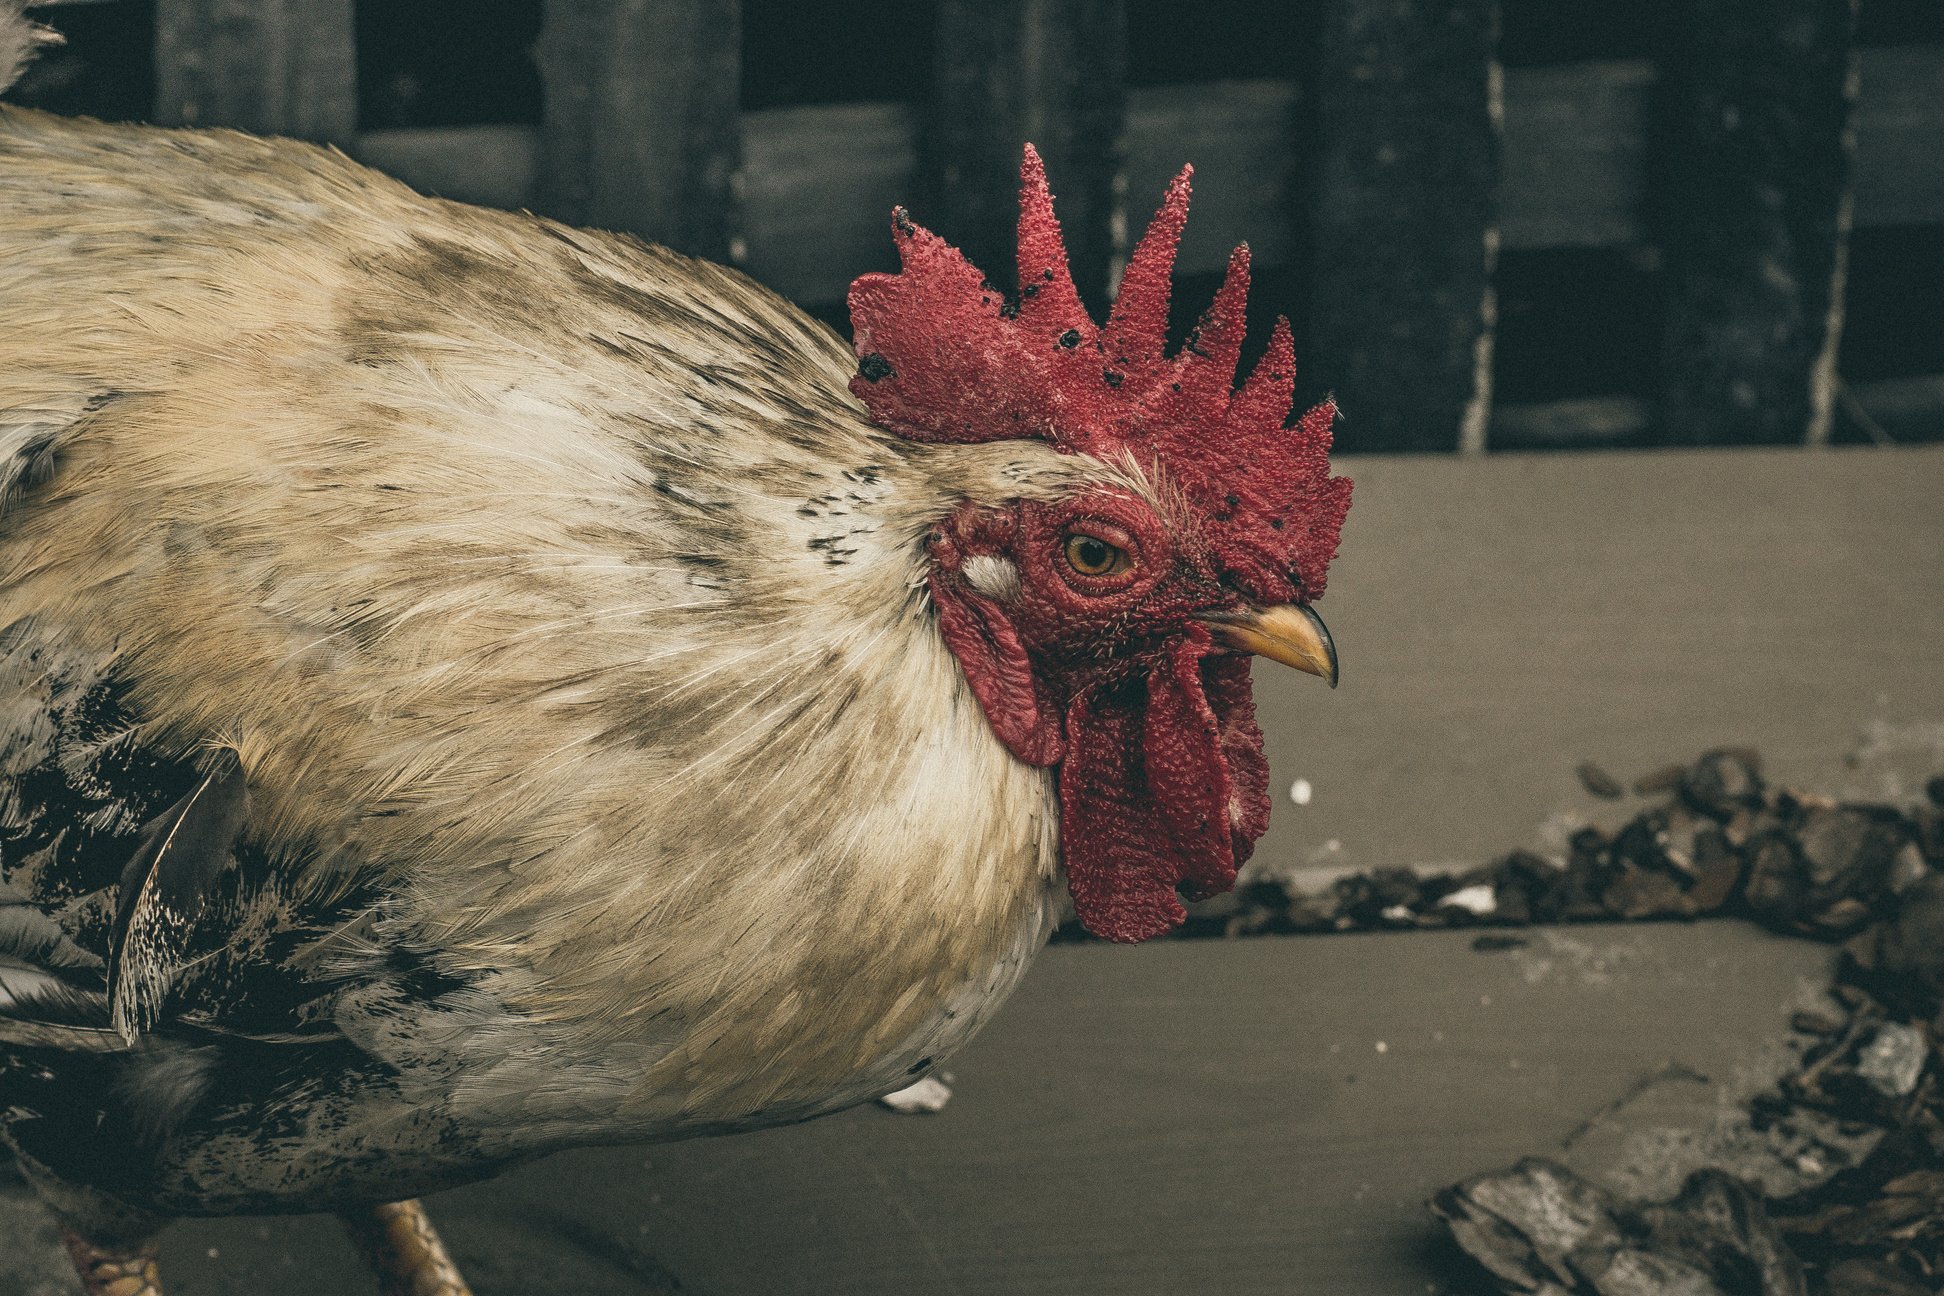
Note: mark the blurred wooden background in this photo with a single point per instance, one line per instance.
(1498, 224)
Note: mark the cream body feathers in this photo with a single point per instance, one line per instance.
(549, 583)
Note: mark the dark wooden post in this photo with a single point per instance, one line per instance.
(642, 130)
(1749, 202)
(276, 67)
(1013, 71)
(1404, 219)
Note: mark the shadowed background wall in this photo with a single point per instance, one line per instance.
(1497, 224)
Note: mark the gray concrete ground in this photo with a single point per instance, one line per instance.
(1263, 1116)
(1500, 620)
(1219, 1117)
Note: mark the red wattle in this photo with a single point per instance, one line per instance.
(1164, 789)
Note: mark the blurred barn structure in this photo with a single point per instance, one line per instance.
(1498, 224)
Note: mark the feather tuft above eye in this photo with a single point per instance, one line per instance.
(992, 576)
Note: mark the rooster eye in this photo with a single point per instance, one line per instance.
(1091, 556)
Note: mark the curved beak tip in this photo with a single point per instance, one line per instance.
(1290, 633)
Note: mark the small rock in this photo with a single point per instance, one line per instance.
(1540, 1228)
(1906, 952)
(1745, 824)
(1813, 1023)
(1665, 779)
(1639, 842)
(1645, 893)
(1723, 781)
(1840, 919)
(1849, 850)
(1362, 898)
(1893, 1059)
(1575, 895)
(1929, 822)
(1797, 801)
(1677, 839)
(1479, 900)
(1830, 841)
(1907, 869)
(1526, 1224)
(1513, 906)
(1717, 871)
(1776, 881)
(1719, 1225)
(1600, 783)
(1587, 841)
(925, 1098)
(1636, 1271)
(1870, 1278)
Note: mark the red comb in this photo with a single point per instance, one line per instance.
(944, 356)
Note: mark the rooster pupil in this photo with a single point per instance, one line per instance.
(1092, 556)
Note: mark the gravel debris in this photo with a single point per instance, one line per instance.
(1861, 1117)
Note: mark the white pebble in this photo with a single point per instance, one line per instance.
(927, 1096)
(1479, 899)
(1382, 1047)
(1300, 792)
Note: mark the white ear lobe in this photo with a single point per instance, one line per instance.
(992, 576)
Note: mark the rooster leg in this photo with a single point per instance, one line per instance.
(398, 1241)
(114, 1270)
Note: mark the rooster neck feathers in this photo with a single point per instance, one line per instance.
(550, 584)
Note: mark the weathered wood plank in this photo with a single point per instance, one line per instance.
(1009, 72)
(495, 166)
(1575, 147)
(1749, 204)
(1889, 411)
(276, 67)
(1577, 423)
(818, 181)
(819, 184)
(1404, 219)
(1238, 134)
(641, 127)
(1895, 410)
(1900, 137)
(1179, 1118)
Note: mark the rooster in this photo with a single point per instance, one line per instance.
(471, 687)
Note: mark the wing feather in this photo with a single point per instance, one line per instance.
(45, 995)
(165, 889)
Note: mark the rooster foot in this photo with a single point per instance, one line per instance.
(114, 1271)
(398, 1241)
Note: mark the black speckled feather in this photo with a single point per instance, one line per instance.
(165, 889)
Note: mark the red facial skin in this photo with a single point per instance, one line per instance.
(1111, 679)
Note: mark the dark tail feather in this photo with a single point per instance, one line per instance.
(51, 993)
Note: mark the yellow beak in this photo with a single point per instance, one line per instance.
(1290, 633)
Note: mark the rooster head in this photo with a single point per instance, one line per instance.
(1107, 634)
